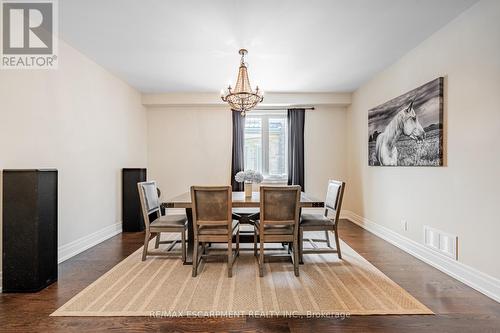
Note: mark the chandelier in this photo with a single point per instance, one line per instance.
(242, 98)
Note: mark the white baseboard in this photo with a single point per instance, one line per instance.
(72, 249)
(480, 281)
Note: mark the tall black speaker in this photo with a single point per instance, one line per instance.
(131, 206)
(29, 230)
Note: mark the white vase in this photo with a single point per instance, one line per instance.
(248, 190)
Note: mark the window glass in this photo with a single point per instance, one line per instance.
(253, 144)
(266, 144)
(277, 146)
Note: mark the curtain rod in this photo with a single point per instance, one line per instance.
(283, 108)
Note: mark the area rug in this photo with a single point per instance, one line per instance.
(327, 286)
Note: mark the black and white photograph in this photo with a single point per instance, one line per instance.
(408, 130)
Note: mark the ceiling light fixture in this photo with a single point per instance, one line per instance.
(242, 98)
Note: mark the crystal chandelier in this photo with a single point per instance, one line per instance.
(242, 98)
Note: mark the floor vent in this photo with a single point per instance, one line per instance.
(441, 242)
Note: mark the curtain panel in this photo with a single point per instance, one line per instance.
(238, 160)
(296, 119)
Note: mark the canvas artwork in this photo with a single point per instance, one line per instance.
(408, 130)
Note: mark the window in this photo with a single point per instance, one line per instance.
(266, 144)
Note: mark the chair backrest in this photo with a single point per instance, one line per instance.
(280, 205)
(334, 196)
(212, 206)
(150, 202)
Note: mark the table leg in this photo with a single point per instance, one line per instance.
(190, 238)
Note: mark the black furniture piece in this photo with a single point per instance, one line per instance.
(29, 229)
(131, 206)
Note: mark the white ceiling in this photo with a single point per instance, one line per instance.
(294, 46)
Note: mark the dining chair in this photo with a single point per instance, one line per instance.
(326, 222)
(156, 224)
(279, 221)
(213, 223)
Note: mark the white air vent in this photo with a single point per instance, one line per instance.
(441, 242)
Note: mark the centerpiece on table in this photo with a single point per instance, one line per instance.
(249, 177)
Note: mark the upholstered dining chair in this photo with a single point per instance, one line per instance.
(213, 223)
(279, 221)
(156, 224)
(326, 222)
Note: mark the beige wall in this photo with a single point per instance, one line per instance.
(325, 148)
(463, 197)
(81, 120)
(188, 146)
(192, 145)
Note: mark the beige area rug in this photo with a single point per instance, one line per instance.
(164, 287)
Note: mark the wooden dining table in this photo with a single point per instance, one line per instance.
(238, 201)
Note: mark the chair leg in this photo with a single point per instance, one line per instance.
(261, 258)
(327, 234)
(337, 243)
(157, 242)
(147, 236)
(301, 246)
(183, 245)
(296, 258)
(238, 243)
(255, 243)
(229, 259)
(195, 258)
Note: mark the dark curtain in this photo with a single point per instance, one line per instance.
(238, 162)
(296, 119)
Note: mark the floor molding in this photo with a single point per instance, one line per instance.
(84, 243)
(480, 281)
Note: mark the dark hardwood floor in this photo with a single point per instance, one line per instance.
(458, 308)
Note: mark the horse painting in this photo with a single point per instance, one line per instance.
(408, 130)
(404, 123)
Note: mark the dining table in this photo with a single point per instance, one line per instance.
(239, 200)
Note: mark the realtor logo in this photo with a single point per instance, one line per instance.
(29, 34)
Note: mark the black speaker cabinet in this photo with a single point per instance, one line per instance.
(29, 230)
(131, 206)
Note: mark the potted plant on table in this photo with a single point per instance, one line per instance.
(249, 177)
